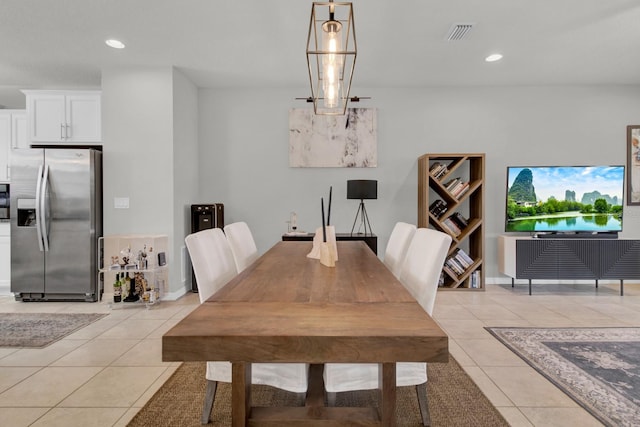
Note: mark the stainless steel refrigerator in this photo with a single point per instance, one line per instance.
(56, 219)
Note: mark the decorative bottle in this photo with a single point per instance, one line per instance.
(132, 296)
(117, 289)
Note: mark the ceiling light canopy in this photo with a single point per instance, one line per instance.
(493, 57)
(116, 44)
(331, 56)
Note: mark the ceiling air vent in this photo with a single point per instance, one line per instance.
(459, 31)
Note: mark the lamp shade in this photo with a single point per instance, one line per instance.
(362, 189)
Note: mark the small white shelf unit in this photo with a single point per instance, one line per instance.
(118, 254)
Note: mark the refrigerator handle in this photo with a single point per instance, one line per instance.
(43, 211)
(38, 213)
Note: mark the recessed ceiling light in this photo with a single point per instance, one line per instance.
(493, 57)
(116, 44)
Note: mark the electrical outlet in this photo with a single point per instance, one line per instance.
(121, 203)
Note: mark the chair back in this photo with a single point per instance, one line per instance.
(242, 244)
(397, 246)
(212, 261)
(423, 264)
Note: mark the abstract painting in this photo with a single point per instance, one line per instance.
(348, 141)
(633, 165)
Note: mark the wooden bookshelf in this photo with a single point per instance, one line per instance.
(457, 180)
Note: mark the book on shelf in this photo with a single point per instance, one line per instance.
(438, 208)
(449, 271)
(461, 262)
(456, 188)
(474, 280)
(458, 262)
(435, 168)
(438, 169)
(460, 189)
(464, 257)
(459, 220)
(451, 183)
(455, 266)
(451, 226)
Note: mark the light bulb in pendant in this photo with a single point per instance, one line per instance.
(331, 62)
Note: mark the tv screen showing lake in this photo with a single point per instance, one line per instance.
(564, 198)
(564, 223)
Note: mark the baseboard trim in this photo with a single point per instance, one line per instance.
(172, 296)
(5, 287)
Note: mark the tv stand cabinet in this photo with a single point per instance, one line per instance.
(557, 259)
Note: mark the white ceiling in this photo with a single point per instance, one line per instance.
(257, 43)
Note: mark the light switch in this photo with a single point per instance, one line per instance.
(121, 202)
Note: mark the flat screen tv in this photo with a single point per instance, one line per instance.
(564, 199)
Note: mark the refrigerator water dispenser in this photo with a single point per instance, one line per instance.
(27, 213)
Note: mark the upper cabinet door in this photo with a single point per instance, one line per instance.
(83, 118)
(46, 118)
(64, 116)
(5, 146)
(19, 138)
(13, 134)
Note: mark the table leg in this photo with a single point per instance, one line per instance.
(240, 393)
(315, 391)
(387, 402)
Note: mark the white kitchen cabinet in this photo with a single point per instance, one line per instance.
(5, 146)
(13, 127)
(5, 255)
(19, 129)
(63, 116)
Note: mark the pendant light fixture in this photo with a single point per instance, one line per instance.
(331, 56)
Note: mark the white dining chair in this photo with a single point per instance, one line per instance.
(214, 265)
(419, 274)
(397, 246)
(242, 244)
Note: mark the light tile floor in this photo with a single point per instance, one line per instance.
(104, 373)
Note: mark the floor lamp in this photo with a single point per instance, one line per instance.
(362, 189)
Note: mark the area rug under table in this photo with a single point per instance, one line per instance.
(454, 400)
(599, 368)
(40, 329)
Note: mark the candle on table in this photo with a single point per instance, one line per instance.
(324, 229)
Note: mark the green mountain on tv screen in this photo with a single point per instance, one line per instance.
(522, 189)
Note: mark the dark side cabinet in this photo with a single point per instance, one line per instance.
(370, 239)
(204, 217)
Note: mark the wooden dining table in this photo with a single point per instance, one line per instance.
(286, 307)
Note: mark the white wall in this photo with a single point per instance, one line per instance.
(137, 123)
(185, 172)
(244, 150)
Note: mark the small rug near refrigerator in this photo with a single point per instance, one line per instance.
(40, 329)
(599, 368)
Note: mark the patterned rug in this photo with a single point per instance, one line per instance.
(40, 329)
(599, 368)
(454, 400)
